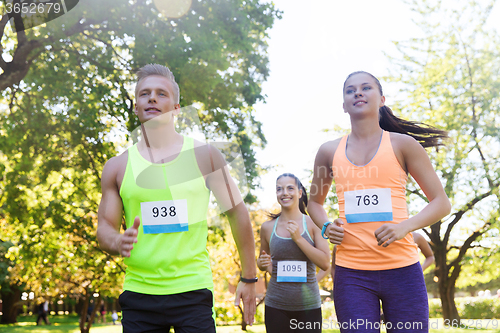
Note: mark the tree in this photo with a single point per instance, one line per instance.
(225, 263)
(449, 79)
(10, 292)
(217, 51)
(49, 198)
(66, 97)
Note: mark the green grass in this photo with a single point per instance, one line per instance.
(69, 324)
(59, 324)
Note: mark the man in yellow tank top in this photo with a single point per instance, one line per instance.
(162, 185)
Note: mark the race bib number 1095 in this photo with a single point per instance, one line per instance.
(292, 271)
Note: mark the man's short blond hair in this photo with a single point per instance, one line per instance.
(157, 69)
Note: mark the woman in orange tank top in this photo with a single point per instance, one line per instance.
(377, 259)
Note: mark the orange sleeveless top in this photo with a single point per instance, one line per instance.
(370, 196)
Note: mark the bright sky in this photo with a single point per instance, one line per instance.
(312, 49)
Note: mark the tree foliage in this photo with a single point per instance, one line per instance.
(67, 105)
(450, 79)
(226, 269)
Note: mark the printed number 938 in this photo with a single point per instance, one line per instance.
(163, 211)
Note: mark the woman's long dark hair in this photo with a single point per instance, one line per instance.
(302, 199)
(426, 135)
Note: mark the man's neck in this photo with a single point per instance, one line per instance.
(160, 144)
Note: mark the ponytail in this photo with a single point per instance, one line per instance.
(426, 135)
(302, 200)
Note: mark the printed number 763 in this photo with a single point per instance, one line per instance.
(366, 200)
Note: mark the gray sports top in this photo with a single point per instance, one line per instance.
(292, 296)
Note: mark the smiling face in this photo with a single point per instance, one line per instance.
(362, 94)
(287, 192)
(155, 97)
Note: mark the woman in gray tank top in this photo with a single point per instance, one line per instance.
(291, 248)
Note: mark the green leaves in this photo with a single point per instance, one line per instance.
(66, 107)
(450, 80)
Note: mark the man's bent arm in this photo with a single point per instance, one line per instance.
(230, 201)
(241, 229)
(110, 211)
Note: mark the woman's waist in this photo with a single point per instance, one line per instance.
(364, 252)
(362, 236)
(311, 281)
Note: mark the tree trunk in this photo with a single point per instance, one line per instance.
(97, 305)
(79, 304)
(10, 303)
(243, 323)
(446, 286)
(450, 311)
(83, 311)
(84, 324)
(71, 306)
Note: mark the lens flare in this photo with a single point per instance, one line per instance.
(173, 8)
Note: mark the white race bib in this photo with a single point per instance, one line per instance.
(372, 205)
(292, 271)
(159, 217)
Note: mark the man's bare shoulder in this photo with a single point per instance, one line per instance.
(208, 157)
(115, 167)
(198, 143)
(117, 161)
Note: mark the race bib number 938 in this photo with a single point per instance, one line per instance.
(164, 216)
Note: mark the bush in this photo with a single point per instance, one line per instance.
(228, 314)
(480, 308)
(469, 307)
(328, 311)
(435, 310)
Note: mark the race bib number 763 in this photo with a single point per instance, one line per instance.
(372, 205)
